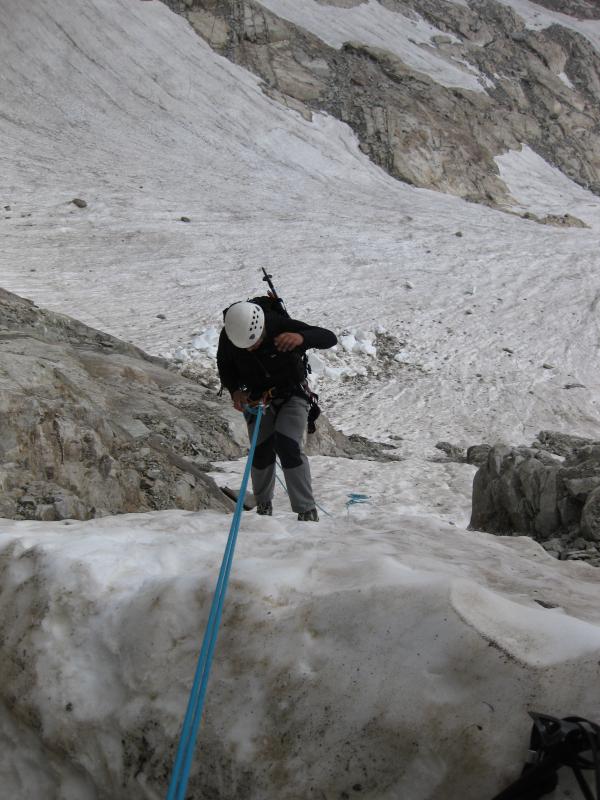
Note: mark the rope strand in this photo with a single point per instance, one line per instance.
(193, 715)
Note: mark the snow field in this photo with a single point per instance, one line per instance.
(387, 647)
(543, 189)
(159, 132)
(339, 361)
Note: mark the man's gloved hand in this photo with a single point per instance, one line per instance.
(239, 399)
(288, 341)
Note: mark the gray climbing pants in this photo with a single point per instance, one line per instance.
(281, 432)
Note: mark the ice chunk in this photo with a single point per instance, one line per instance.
(317, 363)
(348, 342)
(366, 347)
(206, 341)
(182, 354)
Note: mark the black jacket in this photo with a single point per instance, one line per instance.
(266, 368)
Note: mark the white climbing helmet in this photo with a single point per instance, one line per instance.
(244, 324)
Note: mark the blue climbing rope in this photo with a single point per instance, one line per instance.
(193, 715)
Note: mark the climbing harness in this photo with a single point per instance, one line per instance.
(356, 499)
(570, 742)
(193, 715)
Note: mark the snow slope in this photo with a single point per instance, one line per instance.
(371, 632)
(543, 189)
(408, 37)
(148, 132)
(537, 17)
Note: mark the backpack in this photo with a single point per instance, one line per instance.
(554, 743)
(270, 305)
(274, 305)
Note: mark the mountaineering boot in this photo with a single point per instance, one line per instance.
(265, 509)
(309, 516)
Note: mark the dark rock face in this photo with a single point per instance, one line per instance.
(453, 452)
(90, 425)
(550, 494)
(590, 518)
(516, 491)
(561, 444)
(580, 9)
(478, 454)
(541, 88)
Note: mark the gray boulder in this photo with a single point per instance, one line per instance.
(528, 490)
(478, 453)
(516, 490)
(328, 441)
(454, 452)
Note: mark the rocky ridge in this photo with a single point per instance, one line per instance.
(581, 9)
(539, 87)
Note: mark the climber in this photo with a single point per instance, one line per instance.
(261, 358)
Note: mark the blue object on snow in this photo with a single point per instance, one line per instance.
(355, 499)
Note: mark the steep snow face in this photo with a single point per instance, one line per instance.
(383, 648)
(106, 107)
(537, 17)
(543, 189)
(408, 37)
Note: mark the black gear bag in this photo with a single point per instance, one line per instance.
(570, 742)
(274, 305)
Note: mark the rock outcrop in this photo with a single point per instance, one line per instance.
(549, 491)
(90, 425)
(580, 9)
(538, 87)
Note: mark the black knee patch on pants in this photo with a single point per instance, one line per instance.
(288, 450)
(264, 455)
